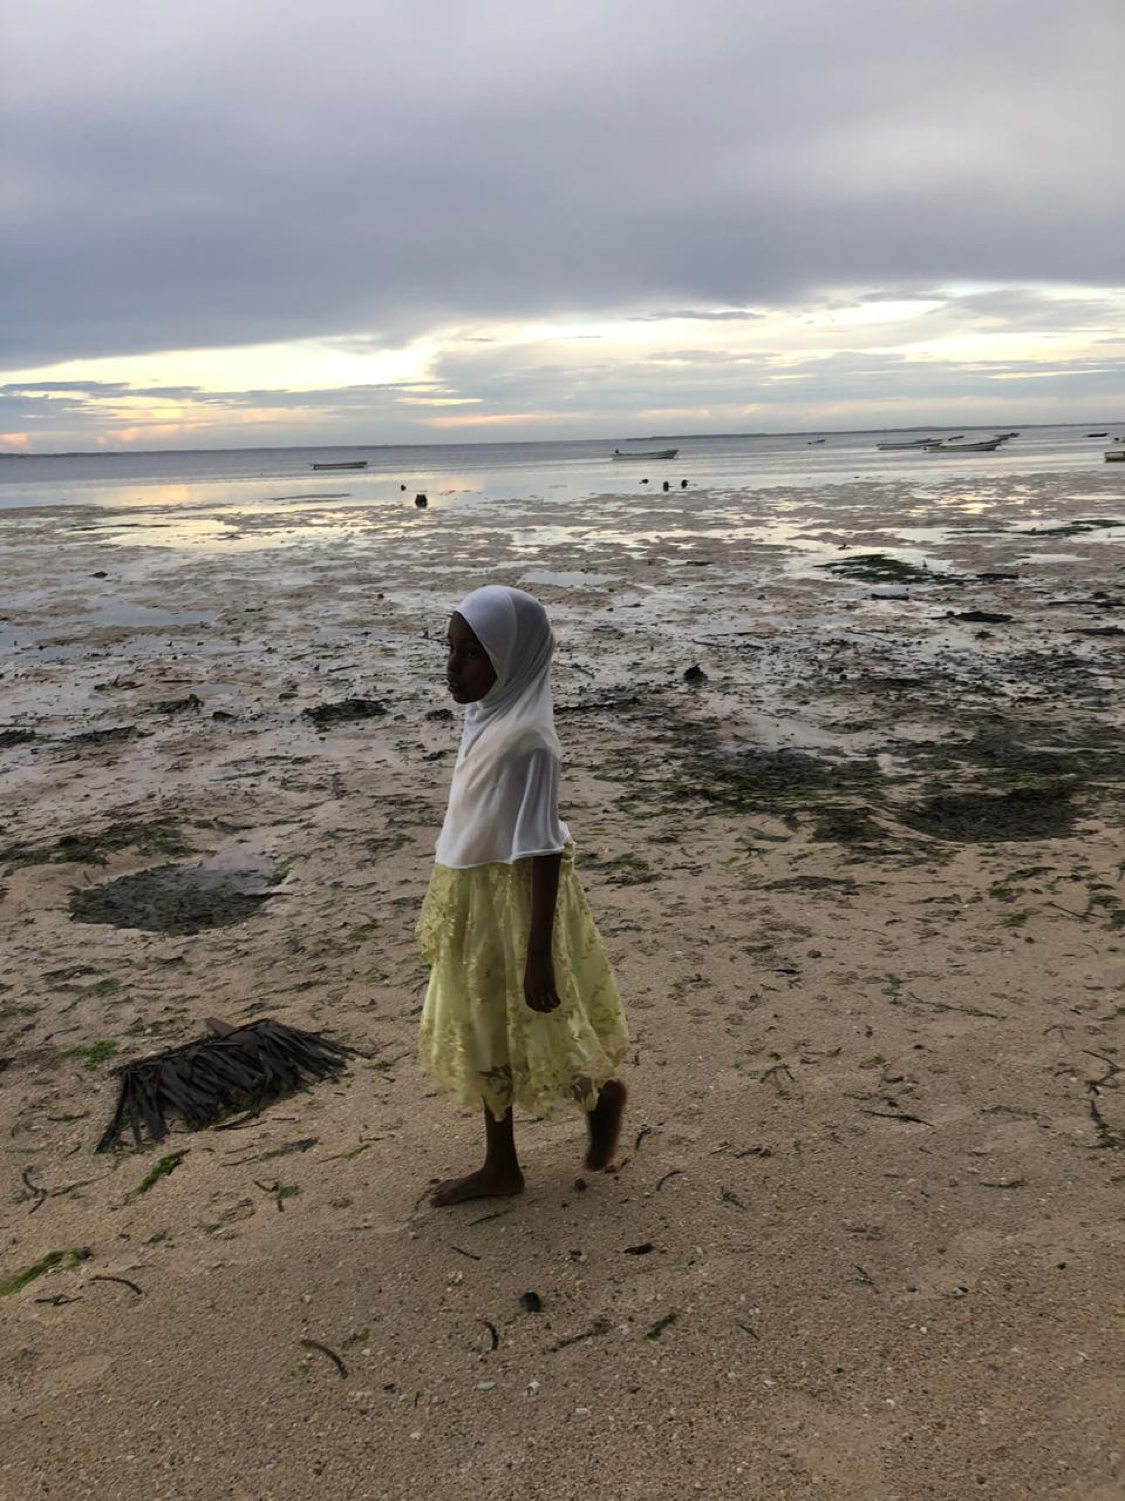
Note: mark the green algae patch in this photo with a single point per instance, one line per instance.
(94, 1053)
(20, 1280)
(165, 1166)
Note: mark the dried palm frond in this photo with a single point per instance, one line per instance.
(204, 1080)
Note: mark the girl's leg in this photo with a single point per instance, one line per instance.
(604, 1125)
(500, 1177)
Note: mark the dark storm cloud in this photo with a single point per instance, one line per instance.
(181, 175)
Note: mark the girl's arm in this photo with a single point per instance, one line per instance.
(539, 971)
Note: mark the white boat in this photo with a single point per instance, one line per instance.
(989, 445)
(913, 443)
(647, 453)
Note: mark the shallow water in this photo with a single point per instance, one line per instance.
(455, 473)
(566, 580)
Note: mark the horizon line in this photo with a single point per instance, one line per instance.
(936, 427)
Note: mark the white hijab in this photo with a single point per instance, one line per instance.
(503, 803)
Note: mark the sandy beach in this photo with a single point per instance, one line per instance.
(861, 878)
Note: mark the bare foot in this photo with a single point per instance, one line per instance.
(486, 1184)
(604, 1123)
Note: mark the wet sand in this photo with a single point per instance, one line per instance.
(862, 882)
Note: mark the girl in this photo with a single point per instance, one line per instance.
(521, 1005)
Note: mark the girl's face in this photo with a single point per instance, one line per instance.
(468, 670)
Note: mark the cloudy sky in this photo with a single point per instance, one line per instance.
(239, 222)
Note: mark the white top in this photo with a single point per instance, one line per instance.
(503, 802)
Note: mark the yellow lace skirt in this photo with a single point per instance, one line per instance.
(480, 1040)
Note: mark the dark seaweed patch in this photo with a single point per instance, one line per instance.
(755, 778)
(621, 870)
(880, 568)
(158, 836)
(1045, 811)
(346, 711)
(15, 737)
(1071, 528)
(844, 825)
(979, 617)
(106, 737)
(1005, 753)
(842, 885)
(170, 899)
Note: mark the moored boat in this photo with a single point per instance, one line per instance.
(989, 445)
(346, 464)
(647, 453)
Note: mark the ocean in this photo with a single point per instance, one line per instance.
(256, 477)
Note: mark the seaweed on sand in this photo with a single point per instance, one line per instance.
(346, 711)
(848, 825)
(20, 1280)
(15, 736)
(1072, 528)
(149, 836)
(752, 778)
(881, 568)
(621, 870)
(1037, 811)
(1007, 753)
(169, 899)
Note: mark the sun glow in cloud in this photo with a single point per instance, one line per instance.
(496, 419)
(859, 358)
(879, 313)
(297, 365)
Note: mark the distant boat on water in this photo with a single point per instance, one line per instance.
(347, 464)
(917, 442)
(647, 453)
(1097, 435)
(988, 445)
(814, 441)
(1116, 454)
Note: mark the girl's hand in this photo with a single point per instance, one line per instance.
(539, 981)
